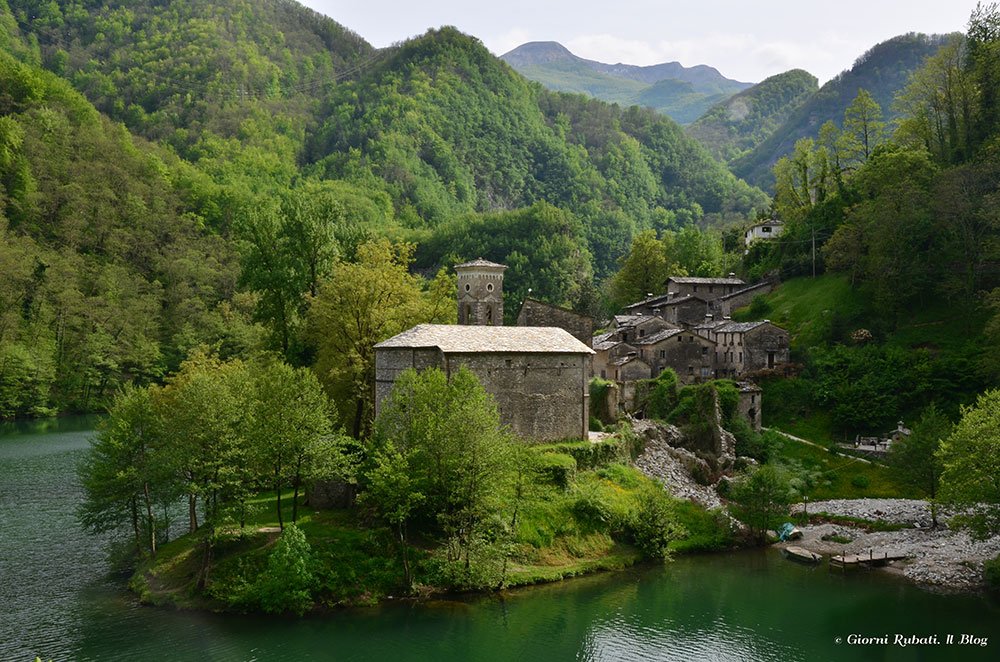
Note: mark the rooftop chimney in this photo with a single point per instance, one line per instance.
(732, 274)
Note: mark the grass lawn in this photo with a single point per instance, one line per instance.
(829, 476)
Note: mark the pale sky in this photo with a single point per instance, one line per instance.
(746, 40)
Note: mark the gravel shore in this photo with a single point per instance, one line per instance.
(938, 557)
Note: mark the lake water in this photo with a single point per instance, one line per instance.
(56, 601)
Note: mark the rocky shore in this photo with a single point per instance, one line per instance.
(938, 557)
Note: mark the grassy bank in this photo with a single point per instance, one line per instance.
(572, 521)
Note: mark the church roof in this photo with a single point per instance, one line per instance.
(452, 338)
(480, 263)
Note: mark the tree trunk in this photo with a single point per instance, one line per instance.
(192, 513)
(401, 529)
(296, 482)
(277, 492)
(151, 520)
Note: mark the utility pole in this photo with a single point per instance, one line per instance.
(814, 251)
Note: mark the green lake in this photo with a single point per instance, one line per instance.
(57, 602)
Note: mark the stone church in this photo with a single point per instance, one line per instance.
(539, 376)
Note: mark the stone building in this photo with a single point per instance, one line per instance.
(691, 356)
(677, 310)
(629, 328)
(745, 347)
(725, 305)
(539, 376)
(770, 229)
(708, 289)
(607, 350)
(480, 293)
(538, 313)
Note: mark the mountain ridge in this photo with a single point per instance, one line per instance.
(557, 68)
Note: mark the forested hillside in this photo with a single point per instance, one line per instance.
(739, 124)
(241, 152)
(883, 71)
(905, 228)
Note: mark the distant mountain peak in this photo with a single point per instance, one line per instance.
(683, 93)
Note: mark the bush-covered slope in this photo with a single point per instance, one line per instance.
(883, 71)
(735, 126)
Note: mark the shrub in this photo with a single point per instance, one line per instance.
(860, 481)
(655, 525)
(285, 587)
(557, 468)
(991, 574)
(662, 395)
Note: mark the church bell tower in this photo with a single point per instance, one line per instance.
(480, 293)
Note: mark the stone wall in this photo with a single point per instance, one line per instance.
(724, 306)
(536, 313)
(686, 353)
(765, 347)
(544, 397)
(749, 405)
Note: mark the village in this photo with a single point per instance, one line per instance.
(540, 370)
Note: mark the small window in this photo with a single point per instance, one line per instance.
(468, 287)
(690, 369)
(704, 351)
(663, 353)
(680, 339)
(489, 287)
(603, 375)
(765, 229)
(741, 357)
(710, 288)
(642, 332)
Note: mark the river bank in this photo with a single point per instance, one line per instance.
(936, 557)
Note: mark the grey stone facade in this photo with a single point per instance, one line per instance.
(750, 404)
(708, 289)
(539, 377)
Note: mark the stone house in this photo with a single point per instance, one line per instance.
(708, 289)
(630, 328)
(677, 310)
(539, 376)
(630, 368)
(539, 313)
(607, 350)
(691, 356)
(745, 347)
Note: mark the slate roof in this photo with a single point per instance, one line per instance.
(755, 286)
(627, 359)
(657, 337)
(691, 280)
(664, 300)
(603, 337)
(739, 327)
(452, 338)
(480, 262)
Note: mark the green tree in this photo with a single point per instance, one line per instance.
(286, 585)
(970, 457)
(363, 303)
(290, 421)
(863, 129)
(760, 500)
(460, 459)
(915, 458)
(123, 475)
(393, 494)
(644, 270)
